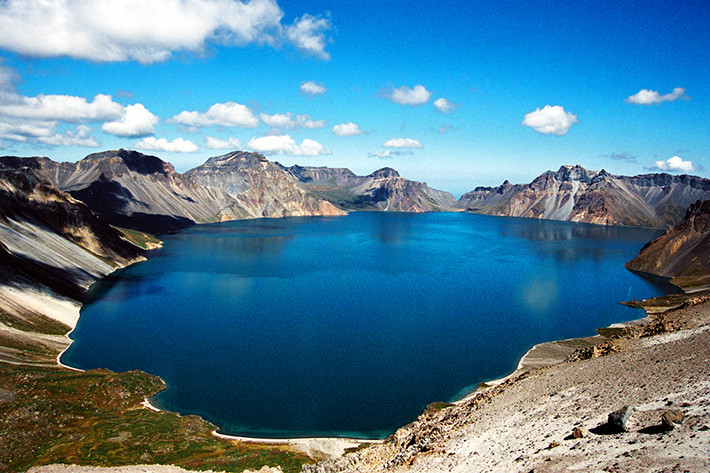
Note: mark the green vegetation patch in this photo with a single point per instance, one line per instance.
(140, 239)
(52, 415)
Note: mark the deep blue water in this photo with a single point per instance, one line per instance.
(351, 325)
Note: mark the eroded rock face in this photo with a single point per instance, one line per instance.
(682, 253)
(576, 194)
(261, 188)
(134, 190)
(383, 190)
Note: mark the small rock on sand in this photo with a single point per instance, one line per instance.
(619, 419)
(671, 418)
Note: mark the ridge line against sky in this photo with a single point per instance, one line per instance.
(457, 94)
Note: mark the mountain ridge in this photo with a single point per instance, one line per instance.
(576, 194)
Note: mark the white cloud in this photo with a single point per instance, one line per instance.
(136, 121)
(284, 144)
(25, 130)
(308, 35)
(65, 108)
(407, 96)
(123, 30)
(347, 129)
(286, 120)
(178, 145)
(223, 114)
(80, 137)
(444, 106)
(312, 88)
(229, 143)
(550, 120)
(278, 120)
(389, 153)
(650, 97)
(674, 164)
(402, 143)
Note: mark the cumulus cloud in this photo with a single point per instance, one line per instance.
(674, 164)
(402, 143)
(178, 145)
(80, 137)
(136, 121)
(347, 129)
(650, 97)
(551, 120)
(223, 114)
(65, 108)
(123, 30)
(308, 35)
(407, 96)
(444, 106)
(312, 88)
(229, 143)
(389, 153)
(25, 130)
(31, 118)
(285, 145)
(286, 120)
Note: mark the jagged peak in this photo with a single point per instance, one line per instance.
(574, 173)
(383, 173)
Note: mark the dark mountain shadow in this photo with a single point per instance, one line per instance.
(18, 271)
(149, 223)
(104, 196)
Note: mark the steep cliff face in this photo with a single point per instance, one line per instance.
(52, 247)
(261, 188)
(383, 190)
(579, 195)
(682, 253)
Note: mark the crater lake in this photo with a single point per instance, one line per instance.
(350, 326)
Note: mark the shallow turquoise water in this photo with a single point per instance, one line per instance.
(351, 325)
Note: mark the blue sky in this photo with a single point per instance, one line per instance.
(521, 87)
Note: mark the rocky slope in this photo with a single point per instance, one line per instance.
(261, 188)
(52, 247)
(383, 190)
(579, 195)
(682, 253)
(133, 190)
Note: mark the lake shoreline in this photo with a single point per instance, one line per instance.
(553, 225)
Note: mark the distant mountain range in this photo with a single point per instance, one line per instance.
(132, 190)
(578, 195)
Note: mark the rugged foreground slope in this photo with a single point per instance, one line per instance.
(682, 253)
(579, 195)
(383, 190)
(52, 247)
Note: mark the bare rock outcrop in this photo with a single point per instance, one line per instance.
(576, 194)
(682, 253)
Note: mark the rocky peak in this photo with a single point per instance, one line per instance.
(697, 217)
(574, 173)
(384, 173)
(14, 162)
(234, 160)
(133, 160)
